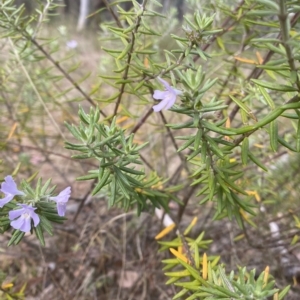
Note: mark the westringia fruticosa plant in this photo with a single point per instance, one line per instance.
(199, 276)
(228, 80)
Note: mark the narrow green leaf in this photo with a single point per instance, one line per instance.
(286, 144)
(269, 3)
(267, 97)
(132, 171)
(87, 177)
(194, 273)
(186, 144)
(204, 152)
(118, 31)
(246, 206)
(214, 147)
(234, 186)
(74, 131)
(188, 124)
(220, 130)
(113, 192)
(284, 292)
(45, 186)
(198, 137)
(222, 184)
(245, 150)
(129, 29)
(172, 280)
(200, 180)
(243, 106)
(194, 153)
(16, 237)
(101, 183)
(274, 86)
(290, 116)
(257, 161)
(184, 273)
(215, 291)
(298, 136)
(39, 233)
(208, 85)
(46, 224)
(192, 285)
(115, 51)
(122, 187)
(180, 294)
(261, 13)
(226, 282)
(274, 135)
(139, 85)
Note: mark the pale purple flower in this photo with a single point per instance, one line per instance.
(21, 218)
(72, 44)
(9, 188)
(167, 97)
(61, 200)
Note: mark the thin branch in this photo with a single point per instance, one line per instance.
(182, 158)
(185, 201)
(146, 162)
(66, 75)
(35, 88)
(142, 120)
(285, 30)
(111, 11)
(41, 18)
(129, 55)
(83, 200)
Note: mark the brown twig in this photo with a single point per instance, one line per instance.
(129, 54)
(111, 11)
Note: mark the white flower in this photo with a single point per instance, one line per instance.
(167, 97)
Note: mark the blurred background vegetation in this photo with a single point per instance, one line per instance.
(103, 253)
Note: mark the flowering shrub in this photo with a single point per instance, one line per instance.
(225, 106)
(30, 209)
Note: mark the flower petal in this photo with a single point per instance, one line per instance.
(168, 97)
(160, 106)
(177, 92)
(61, 208)
(13, 214)
(26, 226)
(18, 223)
(165, 83)
(36, 219)
(9, 186)
(5, 200)
(66, 192)
(171, 101)
(63, 196)
(27, 207)
(160, 94)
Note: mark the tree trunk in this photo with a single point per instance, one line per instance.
(83, 13)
